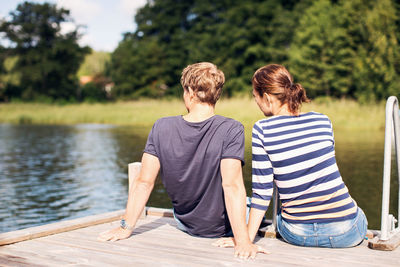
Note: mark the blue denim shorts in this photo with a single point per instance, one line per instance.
(343, 234)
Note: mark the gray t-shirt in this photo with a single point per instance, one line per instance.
(190, 155)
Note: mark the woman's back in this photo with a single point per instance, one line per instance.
(298, 153)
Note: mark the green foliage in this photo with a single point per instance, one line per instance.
(320, 55)
(47, 61)
(376, 66)
(91, 92)
(334, 48)
(238, 36)
(95, 63)
(349, 48)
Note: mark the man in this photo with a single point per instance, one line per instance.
(200, 156)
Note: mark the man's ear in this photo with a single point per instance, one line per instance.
(191, 92)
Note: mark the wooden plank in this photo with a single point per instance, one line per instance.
(160, 240)
(12, 260)
(175, 244)
(58, 227)
(157, 240)
(170, 246)
(168, 232)
(150, 223)
(387, 245)
(159, 212)
(156, 254)
(31, 254)
(133, 172)
(56, 254)
(68, 225)
(319, 256)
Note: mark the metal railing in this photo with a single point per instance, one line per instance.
(392, 126)
(275, 197)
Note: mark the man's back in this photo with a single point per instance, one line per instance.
(190, 154)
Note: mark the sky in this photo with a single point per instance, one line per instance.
(105, 20)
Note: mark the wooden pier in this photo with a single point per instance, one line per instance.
(156, 241)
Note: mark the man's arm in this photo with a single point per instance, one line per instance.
(139, 194)
(235, 201)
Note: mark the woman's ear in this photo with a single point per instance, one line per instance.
(267, 98)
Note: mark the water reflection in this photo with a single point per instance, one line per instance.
(49, 173)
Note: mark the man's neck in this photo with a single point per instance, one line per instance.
(199, 112)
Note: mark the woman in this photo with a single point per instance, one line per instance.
(296, 151)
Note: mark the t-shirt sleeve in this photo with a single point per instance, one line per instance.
(234, 143)
(262, 173)
(150, 147)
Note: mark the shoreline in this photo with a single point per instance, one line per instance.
(345, 114)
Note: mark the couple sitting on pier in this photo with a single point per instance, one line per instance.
(200, 157)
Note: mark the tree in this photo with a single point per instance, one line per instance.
(157, 50)
(320, 54)
(94, 63)
(47, 60)
(348, 48)
(238, 36)
(333, 47)
(374, 37)
(138, 68)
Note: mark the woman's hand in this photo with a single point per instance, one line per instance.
(114, 234)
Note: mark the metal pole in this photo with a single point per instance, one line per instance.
(386, 167)
(396, 125)
(275, 197)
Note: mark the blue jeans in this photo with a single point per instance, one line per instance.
(341, 234)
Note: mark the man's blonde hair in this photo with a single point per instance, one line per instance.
(206, 81)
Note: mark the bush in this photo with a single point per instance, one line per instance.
(91, 92)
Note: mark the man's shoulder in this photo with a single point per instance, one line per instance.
(229, 121)
(167, 120)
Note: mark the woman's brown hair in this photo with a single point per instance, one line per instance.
(276, 80)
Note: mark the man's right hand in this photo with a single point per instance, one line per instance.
(114, 234)
(241, 251)
(248, 251)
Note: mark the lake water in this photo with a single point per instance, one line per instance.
(50, 172)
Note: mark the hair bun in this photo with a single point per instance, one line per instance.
(277, 80)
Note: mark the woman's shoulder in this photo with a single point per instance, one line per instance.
(284, 120)
(317, 115)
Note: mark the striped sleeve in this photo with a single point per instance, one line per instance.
(262, 173)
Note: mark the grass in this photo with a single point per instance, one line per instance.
(345, 114)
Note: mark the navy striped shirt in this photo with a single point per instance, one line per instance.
(297, 153)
